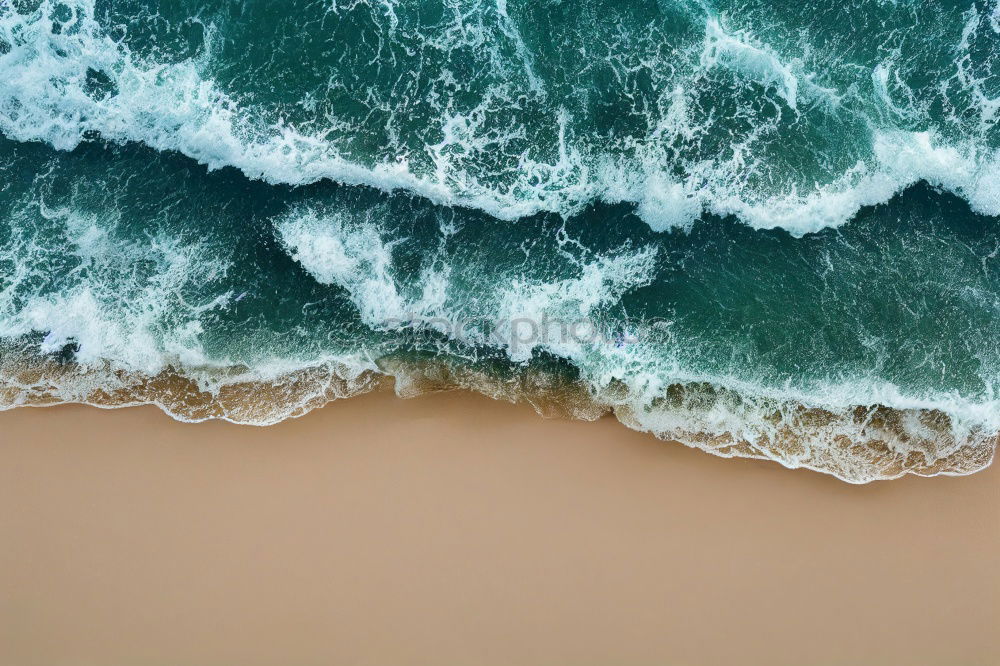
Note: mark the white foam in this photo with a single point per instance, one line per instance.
(562, 316)
(739, 52)
(352, 253)
(141, 322)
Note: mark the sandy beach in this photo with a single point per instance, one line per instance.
(452, 530)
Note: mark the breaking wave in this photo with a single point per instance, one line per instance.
(66, 78)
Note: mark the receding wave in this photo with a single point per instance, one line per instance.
(857, 444)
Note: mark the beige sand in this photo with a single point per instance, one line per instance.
(451, 530)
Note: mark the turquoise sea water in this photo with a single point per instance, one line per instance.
(764, 229)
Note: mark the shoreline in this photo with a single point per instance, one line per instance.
(455, 529)
(858, 444)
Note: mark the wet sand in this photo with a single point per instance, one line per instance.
(452, 530)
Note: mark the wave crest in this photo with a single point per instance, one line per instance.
(63, 81)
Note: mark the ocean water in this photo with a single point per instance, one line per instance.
(763, 229)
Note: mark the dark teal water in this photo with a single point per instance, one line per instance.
(761, 228)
